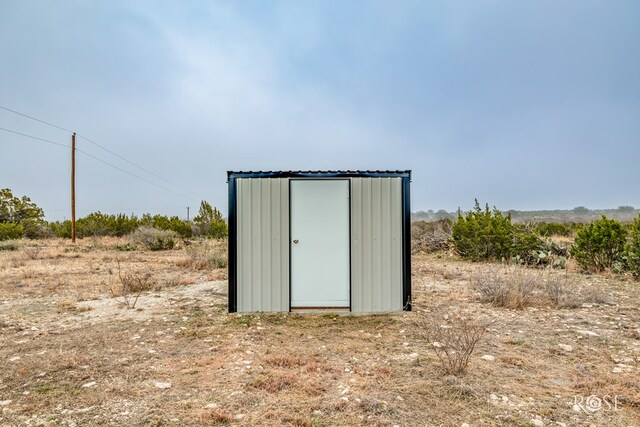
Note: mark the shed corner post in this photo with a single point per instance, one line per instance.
(232, 246)
(406, 243)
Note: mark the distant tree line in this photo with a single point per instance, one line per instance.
(20, 217)
(579, 214)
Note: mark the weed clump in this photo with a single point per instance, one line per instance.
(129, 286)
(203, 255)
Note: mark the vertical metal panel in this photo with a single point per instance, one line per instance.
(376, 250)
(263, 244)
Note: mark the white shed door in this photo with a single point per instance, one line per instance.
(320, 243)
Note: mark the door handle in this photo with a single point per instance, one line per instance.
(296, 241)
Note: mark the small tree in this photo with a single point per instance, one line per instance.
(15, 209)
(599, 245)
(483, 234)
(210, 222)
(632, 250)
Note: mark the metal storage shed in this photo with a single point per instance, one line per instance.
(333, 240)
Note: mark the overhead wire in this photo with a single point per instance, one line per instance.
(35, 137)
(103, 148)
(36, 119)
(131, 173)
(138, 166)
(96, 158)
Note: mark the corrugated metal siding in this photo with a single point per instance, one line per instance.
(376, 244)
(263, 244)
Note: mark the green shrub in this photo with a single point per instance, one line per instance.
(599, 244)
(181, 227)
(154, 238)
(61, 228)
(209, 222)
(36, 229)
(488, 234)
(11, 230)
(632, 250)
(483, 234)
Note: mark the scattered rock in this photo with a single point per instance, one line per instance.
(162, 385)
(211, 406)
(4, 402)
(588, 333)
(536, 422)
(488, 358)
(492, 396)
(90, 384)
(14, 359)
(565, 347)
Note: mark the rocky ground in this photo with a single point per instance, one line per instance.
(71, 354)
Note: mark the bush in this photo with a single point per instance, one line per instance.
(130, 286)
(632, 250)
(36, 229)
(483, 234)
(61, 228)
(11, 230)
(486, 235)
(430, 236)
(154, 238)
(599, 245)
(183, 228)
(454, 342)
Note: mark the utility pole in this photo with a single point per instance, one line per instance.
(73, 188)
(187, 213)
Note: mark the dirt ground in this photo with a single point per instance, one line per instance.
(72, 355)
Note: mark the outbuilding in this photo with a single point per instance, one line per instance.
(319, 240)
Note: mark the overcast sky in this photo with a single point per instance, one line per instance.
(522, 104)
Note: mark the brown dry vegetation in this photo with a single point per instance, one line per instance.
(71, 354)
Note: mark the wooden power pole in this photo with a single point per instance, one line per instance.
(187, 213)
(73, 188)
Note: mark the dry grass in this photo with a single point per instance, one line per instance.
(521, 287)
(288, 369)
(205, 254)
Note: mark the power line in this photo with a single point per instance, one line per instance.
(130, 173)
(35, 137)
(98, 159)
(138, 166)
(37, 120)
(104, 148)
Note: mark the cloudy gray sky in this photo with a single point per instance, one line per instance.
(525, 105)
